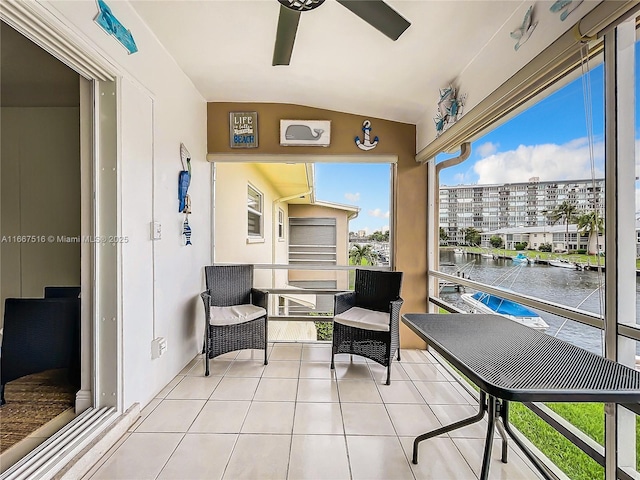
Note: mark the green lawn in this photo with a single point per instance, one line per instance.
(569, 458)
(588, 417)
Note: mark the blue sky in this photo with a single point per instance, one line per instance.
(549, 140)
(363, 185)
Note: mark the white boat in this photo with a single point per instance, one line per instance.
(458, 251)
(563, 264)
(487, 303)
(486, 254)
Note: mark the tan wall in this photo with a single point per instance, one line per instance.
(409, 228)
(342, 237)
(40, 197)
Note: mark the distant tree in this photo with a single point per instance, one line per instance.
(565, 213)
(496, 241)
(591, 224)
(443, 235)
(471, 236)
(379, 236)
(545, 247)
(358, 253)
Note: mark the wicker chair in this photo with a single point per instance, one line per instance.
(366, 321)
(235, 312)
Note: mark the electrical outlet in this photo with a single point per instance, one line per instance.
(158, 347)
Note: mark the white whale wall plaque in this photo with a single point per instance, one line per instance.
(314, 133)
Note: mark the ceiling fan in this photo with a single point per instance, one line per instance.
(375, 12)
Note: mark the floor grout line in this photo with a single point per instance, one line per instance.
(340, 385)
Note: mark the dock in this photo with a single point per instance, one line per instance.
(579, 265)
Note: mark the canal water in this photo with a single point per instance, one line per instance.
(568, 287)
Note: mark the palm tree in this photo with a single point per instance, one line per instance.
(592, 224)
(358, 253)
(565, 212)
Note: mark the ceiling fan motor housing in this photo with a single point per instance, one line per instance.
(301, 5)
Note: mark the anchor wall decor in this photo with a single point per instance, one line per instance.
(366, 143)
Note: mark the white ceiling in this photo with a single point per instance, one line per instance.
(339, 62)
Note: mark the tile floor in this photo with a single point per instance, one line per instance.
(296, 419)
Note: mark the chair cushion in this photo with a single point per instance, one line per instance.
(235, 314)
(366, 319)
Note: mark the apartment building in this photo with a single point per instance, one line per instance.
(527, 204)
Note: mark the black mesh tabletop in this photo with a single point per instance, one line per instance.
(514, 362)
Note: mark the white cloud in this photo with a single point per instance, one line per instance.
(385, 228)
(487, 149)
(378, 213)
(352, 197)
(546, 161)
(460, 178)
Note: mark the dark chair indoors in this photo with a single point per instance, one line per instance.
(69, 292)
(39, 334)
(61, 292)
(235, 312)
(366, 321)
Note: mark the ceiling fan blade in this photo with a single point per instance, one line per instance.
(285, 36)
(379, 15)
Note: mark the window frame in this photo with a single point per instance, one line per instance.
(281, 227)
(257, 212)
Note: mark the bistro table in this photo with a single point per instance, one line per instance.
(511, 362)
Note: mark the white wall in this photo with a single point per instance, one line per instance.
(158, 108)
(40, 197)
(137, 253)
